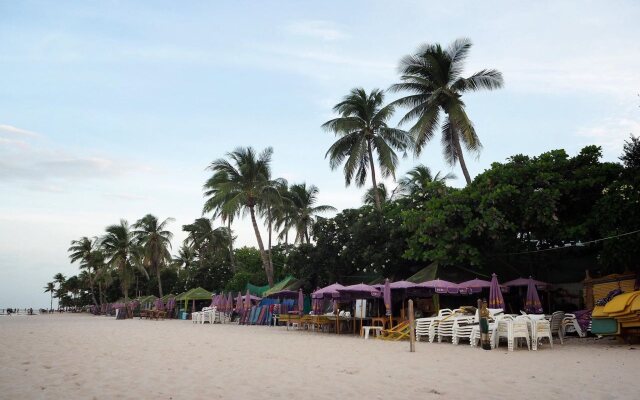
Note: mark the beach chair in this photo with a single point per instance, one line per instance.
(424, 325)
(398, 332)
(541, 329)
(556, 325)
(462, 328)
(570, 324)
(520, 329)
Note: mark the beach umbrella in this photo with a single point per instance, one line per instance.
(239, 303)
(532, 303)
(158, 304)
(327, 291)
(247, 300)
(495, 294)
(525, 282)
(386, 294)
(475, 285)
(300, 301)
(229, 303)
(171, 304)
(359, 291)
(442, 287)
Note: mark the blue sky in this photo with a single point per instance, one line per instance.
(114, 109)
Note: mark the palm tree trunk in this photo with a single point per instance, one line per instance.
(232, 259)
(263, 254)
(376, 194)
(100, 293)
(463, 165)
(269, 242)
(159, 280)
(93, 295)
(51, 306)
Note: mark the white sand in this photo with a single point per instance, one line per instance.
(85, 357)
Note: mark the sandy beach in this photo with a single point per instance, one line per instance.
(86, 357)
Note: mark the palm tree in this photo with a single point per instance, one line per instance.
(381, 191)
(362, 128)
(60, 280)
(50, 288)
(417, 179)
(241, 184)
(84, 250)
(216, 205)
(186, 257)
(304, 201)
(433, 77)
(119, 246)
(204, 239)
(155, 241)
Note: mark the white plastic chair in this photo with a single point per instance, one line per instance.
(556, 325)
(462, 328)
(521, 328)
(502, 330)
(570, 324)
(424, 325)
(541, 329)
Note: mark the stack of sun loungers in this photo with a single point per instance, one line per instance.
(620, 316)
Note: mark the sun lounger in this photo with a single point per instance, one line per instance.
(398, 332)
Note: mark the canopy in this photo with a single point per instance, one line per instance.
(287, 294)
(277, 287)
(257, 290)
(166, 297)
(475, 285)
(327, 291)
(197, 294)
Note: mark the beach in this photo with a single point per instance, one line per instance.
(87, 357)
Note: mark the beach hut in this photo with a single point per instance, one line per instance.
(193, 295)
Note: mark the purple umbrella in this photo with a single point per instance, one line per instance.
(327, 291)
(475, 285)
(300, 302)
(229, 303)
(239, 303)
(525, 282)
(386, 294)
(158, 304)
(532, 304)
(495, 294)
(442, 287)
(171, 303)
(360, 290)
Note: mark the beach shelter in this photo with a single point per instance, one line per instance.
(193, 295)
(358, 291)
(532, 303)
(495, 294)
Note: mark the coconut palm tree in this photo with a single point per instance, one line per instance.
(303, 200)
(155, 241)
(240, 183)
(433, 77)
(418, 178)
(60, 280)
(50, 288)
(122, 254)
(84, 250)
(382, 193)
(203, 238)
(215, 204)
(362, 130)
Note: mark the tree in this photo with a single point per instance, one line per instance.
(304, 210)
(433, 77)
(362, 129)
(241, 183)
(84, 250)
(59, 279)
(418, 179)
(119, 244)
(631, 153)
(155, 241)
(374, 194)
(50, 288)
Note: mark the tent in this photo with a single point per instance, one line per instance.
(278, 286)
(194, 294)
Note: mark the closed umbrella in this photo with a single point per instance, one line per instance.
(386, 294)
(532, 303)
(300, 301)
(247, 300)
(229, 303)
(239, 303)
(495, 294)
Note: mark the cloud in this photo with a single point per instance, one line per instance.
(12, 130)
(323, 30)
(44, 167)
(610, 133)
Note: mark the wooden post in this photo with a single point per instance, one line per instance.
(412, 331)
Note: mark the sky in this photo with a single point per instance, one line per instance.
(114, 109)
